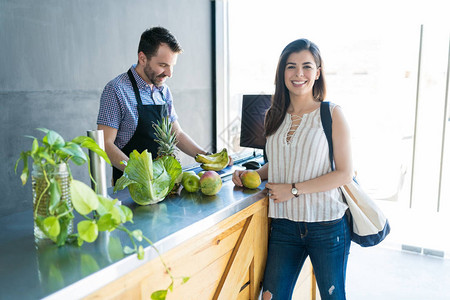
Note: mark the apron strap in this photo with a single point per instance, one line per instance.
(135, 88)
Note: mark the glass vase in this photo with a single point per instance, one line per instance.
(41, 195)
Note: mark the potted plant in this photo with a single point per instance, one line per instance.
(56, 195)
(52, 180)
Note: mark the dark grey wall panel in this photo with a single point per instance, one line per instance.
(56, 57)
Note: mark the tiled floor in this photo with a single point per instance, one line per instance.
(385, 273)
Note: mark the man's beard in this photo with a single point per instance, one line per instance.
(157, 80)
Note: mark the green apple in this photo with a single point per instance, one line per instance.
(186, 174)
(190, 181)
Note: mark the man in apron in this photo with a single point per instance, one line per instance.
(133, 101)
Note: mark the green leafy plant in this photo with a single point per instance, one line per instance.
(49, 153)
(52, 210)
(149, 181)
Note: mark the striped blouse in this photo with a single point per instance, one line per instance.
(304, 157)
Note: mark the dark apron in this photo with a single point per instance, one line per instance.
(144, 136)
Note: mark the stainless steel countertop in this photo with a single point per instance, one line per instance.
(70, 272)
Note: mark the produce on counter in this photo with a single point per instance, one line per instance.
(213, 162)
(166, 139)
(149, 181)
(210, 183)
(251, 179)
(190, 181)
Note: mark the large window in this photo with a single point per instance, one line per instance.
(387, 72)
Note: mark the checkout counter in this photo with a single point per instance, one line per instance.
(219, 241)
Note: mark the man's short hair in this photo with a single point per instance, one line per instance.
(153, 37)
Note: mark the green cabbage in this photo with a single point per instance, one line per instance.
(149, 181)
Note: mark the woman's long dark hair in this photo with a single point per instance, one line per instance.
(281, 99)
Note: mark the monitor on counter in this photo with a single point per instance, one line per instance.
(254, 109)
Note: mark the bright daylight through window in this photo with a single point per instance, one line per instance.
(385, 65)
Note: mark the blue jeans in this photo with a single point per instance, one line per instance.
(326, 243)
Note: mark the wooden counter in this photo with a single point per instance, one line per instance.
(220, 242)
(226, 261)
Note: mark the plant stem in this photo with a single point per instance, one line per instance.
(90, 175)
(160, 257)
(43, 192)
(65, 213)
(151, 244)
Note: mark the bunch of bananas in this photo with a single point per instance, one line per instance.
(213, 162)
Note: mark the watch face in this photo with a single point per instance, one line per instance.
(294, 192)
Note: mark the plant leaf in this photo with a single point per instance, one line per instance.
(105, 204)
(55, 195)
(106, 223)
(127, 213)
(51, 226)
(75, 152)
(137, 234)
(46, 156)
(80, 241)
(140, 253)
(115, 215)
(84, 199)
(159, 295)
(89, 143)
(25, 171)
(88, 230)
(185, 279)
(52, 138)
(34, 146)
(64, 224)
(128, 250)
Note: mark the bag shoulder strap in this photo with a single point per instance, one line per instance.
(327, 121)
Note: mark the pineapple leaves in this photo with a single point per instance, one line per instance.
(165, 138)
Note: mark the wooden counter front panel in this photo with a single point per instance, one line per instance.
(226, 262)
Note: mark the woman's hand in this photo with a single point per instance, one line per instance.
(237, 177)
(279, 192)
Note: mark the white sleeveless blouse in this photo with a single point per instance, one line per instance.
(304, 157)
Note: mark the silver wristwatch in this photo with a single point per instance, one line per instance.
(294, 191)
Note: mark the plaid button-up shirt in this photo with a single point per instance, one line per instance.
(118, 106)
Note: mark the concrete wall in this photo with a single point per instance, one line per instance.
(56, 57)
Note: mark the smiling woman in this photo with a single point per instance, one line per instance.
(390, 76)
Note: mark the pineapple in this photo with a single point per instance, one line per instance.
(165, 138)
(167, 141)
